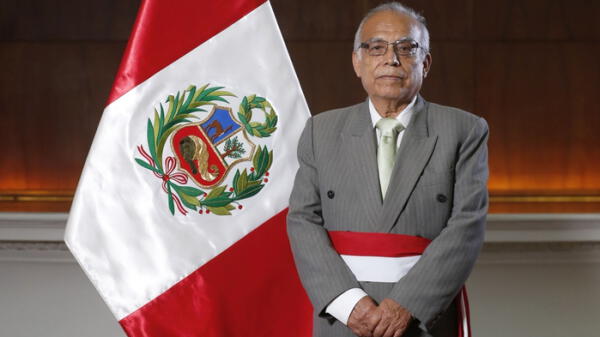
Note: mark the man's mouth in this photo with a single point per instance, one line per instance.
(391, 77)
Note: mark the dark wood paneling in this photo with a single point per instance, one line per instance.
(539, 101)
(446, 20)
(53, 206)
(537, 20)
(339, 19)
(328, 82)
(318, 20)
(582, 72)
(36, 20)
(451, 80)
(51, 98)
(529, 67)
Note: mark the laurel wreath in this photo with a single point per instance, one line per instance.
(255, 128)
(181, 108)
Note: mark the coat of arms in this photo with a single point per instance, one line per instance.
(204, 151)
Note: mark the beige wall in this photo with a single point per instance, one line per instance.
(530, 288)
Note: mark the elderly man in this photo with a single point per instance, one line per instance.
(388, 209)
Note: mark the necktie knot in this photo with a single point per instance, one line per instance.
(389, 127)
(386, 152)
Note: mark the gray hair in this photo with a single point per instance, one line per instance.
(401, 9)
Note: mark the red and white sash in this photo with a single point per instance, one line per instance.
(387, 257)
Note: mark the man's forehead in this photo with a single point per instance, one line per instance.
(390, 25)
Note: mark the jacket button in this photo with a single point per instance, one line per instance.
(441, 198)
(330, 194)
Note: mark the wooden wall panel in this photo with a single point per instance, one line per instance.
(318, 20)
(51, 98)
(339, 19)
(38, 20)
(451, 80)
(537, 20)
(529, 67)
(328, 82)
(582, 71)
(446, 20)
(543, 115)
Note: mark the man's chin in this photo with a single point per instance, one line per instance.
(393, 95)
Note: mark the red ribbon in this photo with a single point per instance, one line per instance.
(170, 164)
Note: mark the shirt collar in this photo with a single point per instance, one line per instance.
(403, 117)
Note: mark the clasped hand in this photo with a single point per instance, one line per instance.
(388, 319)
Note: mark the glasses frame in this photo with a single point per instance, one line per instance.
(366, 45)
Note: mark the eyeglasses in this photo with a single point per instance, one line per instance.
(404, 47)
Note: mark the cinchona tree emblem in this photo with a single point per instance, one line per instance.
(194, 145)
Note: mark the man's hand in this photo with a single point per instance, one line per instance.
(364, 317)
(394, 319)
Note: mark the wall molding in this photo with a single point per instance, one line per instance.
(510, 238)
(543, 228)
(68, 195)
(539, 253)
(38, 251)
(32, 226)
(500, 227)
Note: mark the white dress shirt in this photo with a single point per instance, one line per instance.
(341, 307)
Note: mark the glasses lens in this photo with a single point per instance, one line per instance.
(377, 48)
(406, 48)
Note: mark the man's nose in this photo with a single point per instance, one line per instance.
(391, 56)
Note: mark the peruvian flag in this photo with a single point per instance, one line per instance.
(179, 215)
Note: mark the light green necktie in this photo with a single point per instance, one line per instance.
(386, 152)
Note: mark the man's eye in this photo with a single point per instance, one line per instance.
(406, 49)
(377, 47)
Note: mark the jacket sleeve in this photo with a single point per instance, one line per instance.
(431, 285)
(321, 269)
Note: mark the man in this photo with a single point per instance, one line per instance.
(380, 178)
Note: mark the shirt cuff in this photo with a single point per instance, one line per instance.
(341, 307)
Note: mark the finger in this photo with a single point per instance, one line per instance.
(399, 329)
(362, 331)
(373, 320)
(381, 327)
(356, 322)
(391, 330)
(357, 332)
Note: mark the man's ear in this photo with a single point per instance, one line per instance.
(426, 64)
(356, 63)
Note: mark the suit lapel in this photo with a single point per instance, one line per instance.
(414, 153)
(360, 138)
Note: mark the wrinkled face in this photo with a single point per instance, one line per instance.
(390, 76)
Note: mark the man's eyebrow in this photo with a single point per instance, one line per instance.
(406, 39)
(376, 39)
(379, 39)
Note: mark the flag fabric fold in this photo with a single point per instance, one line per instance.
(179, 215)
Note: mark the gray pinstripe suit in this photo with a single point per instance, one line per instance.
(437, 191)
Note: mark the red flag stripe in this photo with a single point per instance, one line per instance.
(377, 244)
(217, 299)
(166, 30)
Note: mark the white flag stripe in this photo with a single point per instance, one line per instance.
(379, 268)
(150, 251)
(465, 319)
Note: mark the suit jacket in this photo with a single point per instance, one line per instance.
(438, 190)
